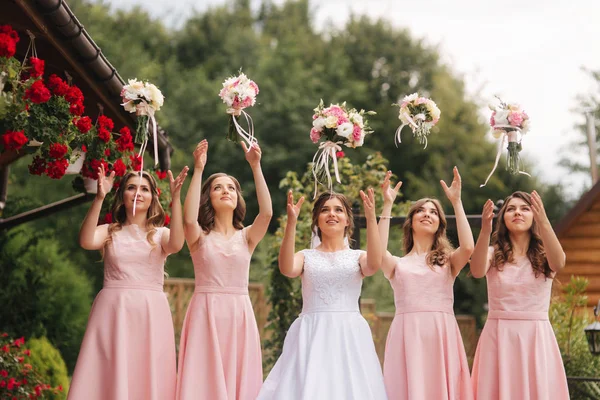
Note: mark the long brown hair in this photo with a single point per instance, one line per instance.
(441, 249)
(206, 214)
(155, 216)
(503, 251)
(323, 198)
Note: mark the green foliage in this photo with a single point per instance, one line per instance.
(47, 361)
(43, 292)
(569, 320)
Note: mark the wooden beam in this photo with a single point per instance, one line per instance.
(44, 211)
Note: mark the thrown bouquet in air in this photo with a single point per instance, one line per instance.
(239, 92)
(339, 126)
(509, 123)
(420, 114)
(143, 99)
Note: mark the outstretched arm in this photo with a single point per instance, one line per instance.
(554, 252)
(92, 236)
(480, 262)
(259, 227)
(291, 264)
(172, 242)
(191, 228)
(371, 261)
(389, 195)
(466, 244)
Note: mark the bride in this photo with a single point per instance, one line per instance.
(328, 352)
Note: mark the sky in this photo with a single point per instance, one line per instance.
(530, 52)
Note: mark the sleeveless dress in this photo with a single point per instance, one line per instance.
(328, 352)
(517, 355)
(128, 350)
(219, 351)
(424, 354)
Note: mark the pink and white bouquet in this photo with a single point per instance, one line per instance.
(143, 99)
(420, 114)
(339, 126)
(239, 92)
(509, 122)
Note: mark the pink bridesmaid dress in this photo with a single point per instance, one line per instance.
(517, 355)
(128, 351)
(424, 355)
(219, 352)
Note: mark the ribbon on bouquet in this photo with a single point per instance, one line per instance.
(506, 137)
(327, 149)
(149, 112)
(412, 123)
(248, 136)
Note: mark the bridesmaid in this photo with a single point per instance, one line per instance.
(128, 351)
(424, 355)
(517, 356)
(219, 352)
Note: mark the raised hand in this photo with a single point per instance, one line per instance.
(293, 210)
(537, 208)
(389, 194)
(453, 192)
(175, 184)
(368, 201)
(200, 154)
(253, 154)
(487, 215)
(105, 183)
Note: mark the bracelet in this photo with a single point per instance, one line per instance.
(385, 216)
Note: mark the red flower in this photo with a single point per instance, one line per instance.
(4, 373)
(20, 359)
(339, 154)
(119, 167)
(60, 388)
(108, 219)
(6, 348)
(167, 219)
(27, 366)
(38, 390)
(125, 141)
(35, 69)
(11, 383)
(90, 170)
(104, 135)
(84, 148)
(38, 93)
(14, 140)
(158, 191)
(18, 342)
(105, 122)
(84, 124)
(2, 384)
(161, 174)
(24, 381)
(57, 150)
(56, 169)
(74, 95)
(107, 152)
(76, 108)
(8, 47)
(57, 85)
(4, 334)
(136, 162)
(27, 352)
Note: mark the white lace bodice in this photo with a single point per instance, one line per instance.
(331, 281)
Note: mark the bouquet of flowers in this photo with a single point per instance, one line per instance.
(509, 123)
(238, 93)
(143, 99)
(420, 114)
(338, 125)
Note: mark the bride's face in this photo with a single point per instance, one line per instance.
(333, 218)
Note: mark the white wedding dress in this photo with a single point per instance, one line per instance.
(328, 352)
